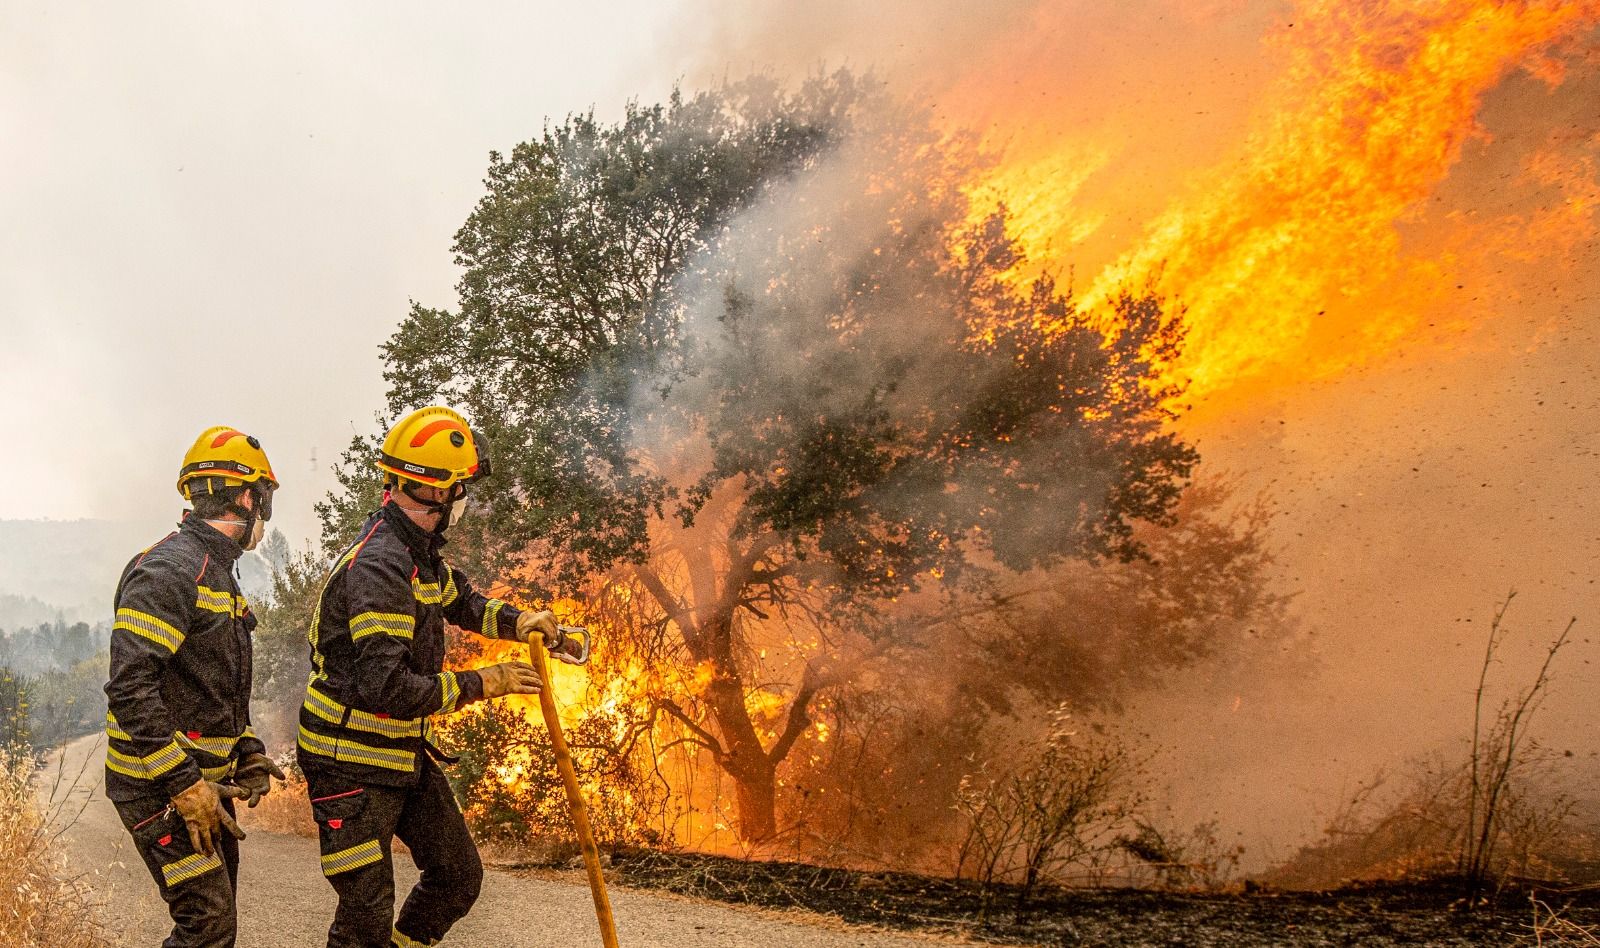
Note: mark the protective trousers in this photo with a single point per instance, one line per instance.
(357, 823)
(199, 890)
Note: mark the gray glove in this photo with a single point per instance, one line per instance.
(253, 775)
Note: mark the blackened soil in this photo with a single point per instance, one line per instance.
(1371, 914)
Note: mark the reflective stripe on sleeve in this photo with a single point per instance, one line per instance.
(220, 746)
(145, 625)
(450, 688)
(397, 624)
(145, 768)
(491, 618)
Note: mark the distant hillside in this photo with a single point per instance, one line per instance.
(26, 612)
(69, 568)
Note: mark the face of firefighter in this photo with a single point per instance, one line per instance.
(443, 507)
(233, 526)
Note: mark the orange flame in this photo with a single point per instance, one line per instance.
(1294, 252)
(1290, 254)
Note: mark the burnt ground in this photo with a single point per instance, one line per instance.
(1378, 914)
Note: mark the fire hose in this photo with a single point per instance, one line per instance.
(569, 778)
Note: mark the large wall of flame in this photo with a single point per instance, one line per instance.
(1383, 219)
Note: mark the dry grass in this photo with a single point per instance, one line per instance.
(1551, 927)
(285, 810)
(41, 903)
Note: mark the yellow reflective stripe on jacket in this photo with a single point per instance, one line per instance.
(112, 730)
(491, 617)
(188, 867)
(397, 624)
(220, 600)
(450, 689)
(147, 626)
(450, 591)
(333, 712)
(314, 634)
(426, 592)
(350, 752)
(146, 768)
(361, 854)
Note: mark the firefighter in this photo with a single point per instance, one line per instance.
(377, 653)
(179, 744)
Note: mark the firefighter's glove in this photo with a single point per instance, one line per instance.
(542, 622)
(509, 678)
(254, 776)
(203, 815)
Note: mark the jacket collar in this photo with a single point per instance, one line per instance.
(423, 544)
(215, 541)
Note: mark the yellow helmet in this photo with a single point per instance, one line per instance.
(225, 455)
(433, 446)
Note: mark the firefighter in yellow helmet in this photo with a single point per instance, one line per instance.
(377, 654)
(179, 745)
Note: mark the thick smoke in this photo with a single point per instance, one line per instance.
(1417, 482)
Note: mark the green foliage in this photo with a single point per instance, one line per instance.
(766, 331)
(281, 652)
(66, 704)
(631, 345)
(13, 710)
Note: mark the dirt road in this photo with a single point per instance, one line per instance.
(286, 903)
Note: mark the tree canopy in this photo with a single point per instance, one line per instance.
(758, 352)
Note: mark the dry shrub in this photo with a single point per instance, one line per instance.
(1500, 813)
(287, 809)
(1197, 860)
(42, 905)
(1551, 927)
(1049, 811)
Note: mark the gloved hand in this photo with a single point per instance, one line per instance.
(253, 775)
(201, 808)
(542, 622)
(509, 678)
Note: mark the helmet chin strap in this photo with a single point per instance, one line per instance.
(246, 538)
(440, 508)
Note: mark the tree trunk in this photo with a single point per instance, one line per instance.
(745, 760)
(741, 754)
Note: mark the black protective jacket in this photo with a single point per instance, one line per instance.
(179, 693)
(377, 653)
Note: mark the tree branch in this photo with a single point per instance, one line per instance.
(675, 610)
(706, 738)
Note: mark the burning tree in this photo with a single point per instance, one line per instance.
(756, 371)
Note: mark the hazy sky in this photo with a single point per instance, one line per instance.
(215, 213)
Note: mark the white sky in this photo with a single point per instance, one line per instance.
(214, 213)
